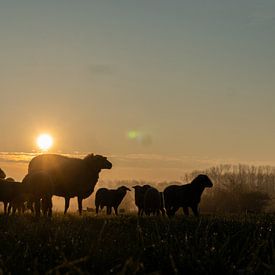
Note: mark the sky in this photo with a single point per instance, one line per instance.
(160, 87)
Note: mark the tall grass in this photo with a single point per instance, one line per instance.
(242, 244)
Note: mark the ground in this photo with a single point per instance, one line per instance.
(235, 244)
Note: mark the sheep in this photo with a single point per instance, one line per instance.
(9, 191)
(14, 201)
(152, 201)
(18, 202)
(71, 176)
(110, 198)
(39, 187)
(189, 195)
(139, 197)
(2, 174)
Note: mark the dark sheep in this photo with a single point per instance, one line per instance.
(18, 202)
(139, 197)
(15, 203)
(110, 198)
(9, 192)
(152, 201)
(188, 195)
(71, 176)
(39, 188)
(2, 174)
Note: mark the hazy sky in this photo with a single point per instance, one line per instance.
(148, 82)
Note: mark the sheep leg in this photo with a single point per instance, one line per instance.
(79, 200)
(162, 211)
(5, 207)
(50, 206)
(116, 211)
(30, 205)
(37, 208)
(195, 210)
(12, 208)
(172, 211)
(23, 208)
(186, 211)
(96, 209)
(67, 203)
(9, 208)
(44, 206)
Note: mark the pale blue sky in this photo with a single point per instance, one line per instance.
(193, 78)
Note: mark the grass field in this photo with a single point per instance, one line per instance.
(131, 245)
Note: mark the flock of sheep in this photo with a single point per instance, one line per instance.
(51, 174)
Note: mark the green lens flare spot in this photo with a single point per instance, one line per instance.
(132, 134)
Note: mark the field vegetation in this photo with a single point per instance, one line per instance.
(234, 234)
(228, 244)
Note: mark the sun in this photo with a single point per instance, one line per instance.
(44, 142)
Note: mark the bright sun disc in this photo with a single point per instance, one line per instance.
(44, 142)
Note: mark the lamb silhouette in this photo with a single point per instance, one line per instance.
(71, 176)
(188, 195)
(111, 198)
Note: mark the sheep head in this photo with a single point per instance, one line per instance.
(202, 180)
(97, 162)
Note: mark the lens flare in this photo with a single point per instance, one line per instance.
(132, 134)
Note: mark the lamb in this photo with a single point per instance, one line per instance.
(18, 202)
(139, 197)
(39, 186)
(9, 192)
(110, 198)
(189, 195)
(71, 176)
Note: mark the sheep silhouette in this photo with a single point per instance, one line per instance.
(9, 191)
(39, 188)
(110, 198)
(71, 176)
(139, 197)
(2, 174)
(18, 201)
(188, 195)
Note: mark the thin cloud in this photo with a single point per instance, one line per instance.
(143, 161)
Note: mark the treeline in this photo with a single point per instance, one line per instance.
(237, 189)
